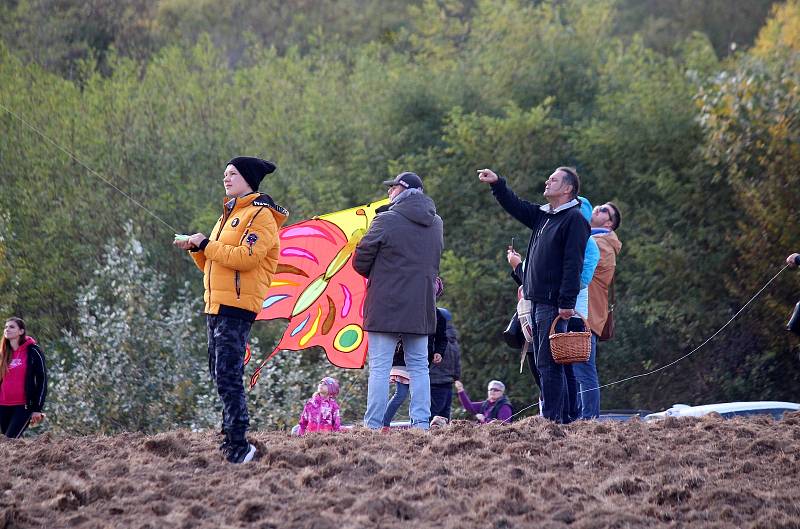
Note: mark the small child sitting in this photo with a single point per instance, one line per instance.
(321, 412)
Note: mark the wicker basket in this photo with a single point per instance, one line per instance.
(570, 347)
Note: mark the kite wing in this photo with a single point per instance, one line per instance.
(316, 288)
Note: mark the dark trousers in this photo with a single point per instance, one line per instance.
(532, 365)
(14, 420)
(441, 399)
(227, 338)
(552, 376)
(571, 410)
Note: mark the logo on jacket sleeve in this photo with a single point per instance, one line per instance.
(235, 222)
(251, 241)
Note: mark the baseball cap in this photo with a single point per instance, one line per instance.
(407, 179)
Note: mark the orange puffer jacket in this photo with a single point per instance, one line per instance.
(240, 256)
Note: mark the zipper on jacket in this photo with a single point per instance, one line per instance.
(238, 284)
(534, 247)
(225, 216)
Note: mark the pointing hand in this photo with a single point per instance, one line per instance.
(487, 176)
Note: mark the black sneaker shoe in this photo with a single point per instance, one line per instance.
(241, 452)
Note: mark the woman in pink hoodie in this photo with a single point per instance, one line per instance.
(321, 412)
(23, 380)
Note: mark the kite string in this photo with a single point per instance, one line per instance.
(82, 164)
(647, 373)
(175, 230)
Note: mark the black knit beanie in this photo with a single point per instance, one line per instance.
(253, 170)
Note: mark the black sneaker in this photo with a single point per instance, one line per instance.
(226, 441)
(241, 452)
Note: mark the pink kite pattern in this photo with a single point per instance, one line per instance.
(316, 288)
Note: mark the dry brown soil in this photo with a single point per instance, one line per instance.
(705, 472)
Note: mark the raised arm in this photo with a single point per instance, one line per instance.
(472, 407)
(522, 210)
(337, 419)
(303, 423)
(517, 274)
(367, 250)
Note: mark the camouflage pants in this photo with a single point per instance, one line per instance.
(227, 338)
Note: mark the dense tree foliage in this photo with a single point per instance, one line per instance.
(699, 150)
(134, 361)
(728, 24)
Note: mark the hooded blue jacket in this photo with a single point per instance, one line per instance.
(590, 259)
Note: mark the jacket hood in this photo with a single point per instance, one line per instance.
(418, 208)
(586, 208)
(609, 240)
(264, 200)
(27, 342)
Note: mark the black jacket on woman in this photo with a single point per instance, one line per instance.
(35, 380)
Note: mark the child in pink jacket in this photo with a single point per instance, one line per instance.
(321, 412)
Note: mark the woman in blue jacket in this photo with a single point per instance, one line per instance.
(583, 392)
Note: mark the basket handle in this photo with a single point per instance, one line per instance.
(558, 317)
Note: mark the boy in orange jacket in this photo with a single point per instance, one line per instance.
(238, 261)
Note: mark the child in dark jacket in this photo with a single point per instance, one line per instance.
(321, 412)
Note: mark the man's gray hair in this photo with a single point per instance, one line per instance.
(571, 178)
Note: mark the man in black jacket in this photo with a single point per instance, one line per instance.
(554, 258)
(400, 255)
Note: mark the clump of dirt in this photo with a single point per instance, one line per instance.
(671, 473)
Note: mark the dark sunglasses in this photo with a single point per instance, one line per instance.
(607, 211)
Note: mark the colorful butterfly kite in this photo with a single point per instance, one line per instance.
(317, 290)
